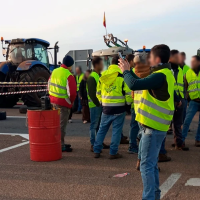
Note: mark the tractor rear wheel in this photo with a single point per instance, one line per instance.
(7, 101)
(36, 74)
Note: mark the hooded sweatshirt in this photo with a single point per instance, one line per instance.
(110, 81)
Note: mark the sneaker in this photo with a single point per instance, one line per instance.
(164, 158)
(197, 143)
(116, 156)
(132, 151)
(105, 146)
(97, 155)
(138, 165)
(78, 112)
(70, 121)
(124, 141)
(85, 122)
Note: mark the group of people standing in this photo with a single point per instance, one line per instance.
(156, 87)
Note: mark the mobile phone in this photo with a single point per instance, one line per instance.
(120, 55)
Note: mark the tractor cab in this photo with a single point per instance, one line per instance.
(20, 50)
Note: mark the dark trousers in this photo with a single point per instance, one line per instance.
(178, 122)
(70, 115)
(86, 113)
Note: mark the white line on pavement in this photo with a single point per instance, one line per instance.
(17, 117)
(169, 183)
(13, 147)
(193, 182)
(26, 136)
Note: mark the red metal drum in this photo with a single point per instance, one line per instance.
(44, 135)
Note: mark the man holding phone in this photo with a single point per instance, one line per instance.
(155, 113)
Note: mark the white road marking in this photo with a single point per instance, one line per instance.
(169, 183)
(26, 136)
(17, 117)
(13, 147)
(193, 182)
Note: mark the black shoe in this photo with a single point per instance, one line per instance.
(164, 158)
(105, 146)
(116, 156)
(68, 145)
(67, 149)
(97, 155)
(78, 112)
(124, 141)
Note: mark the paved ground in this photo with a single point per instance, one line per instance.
(78, 176)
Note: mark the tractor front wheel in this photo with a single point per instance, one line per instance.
(36, 74)
(7, 101)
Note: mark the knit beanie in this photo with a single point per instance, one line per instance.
(68, 61)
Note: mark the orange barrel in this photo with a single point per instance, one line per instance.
(44, 135)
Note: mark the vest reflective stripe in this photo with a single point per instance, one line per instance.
(113, 97)
(154, 113)
(58, 86)
(153, 117)
(58, 83)
(156, 107)
(96, 77)
(78, 80)
(137, 99)
(113, 104)
(193, 84)
(179, 84)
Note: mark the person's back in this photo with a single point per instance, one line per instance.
(113, 94)
(112, 91)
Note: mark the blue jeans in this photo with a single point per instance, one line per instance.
(191, 111)
(151, 143)
(95, 117)
(117, 122)
(162, 149)
(133, 131)
(79, 102)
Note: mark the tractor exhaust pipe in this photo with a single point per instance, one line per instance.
(56, 48)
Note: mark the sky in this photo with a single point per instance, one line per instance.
(78, 24)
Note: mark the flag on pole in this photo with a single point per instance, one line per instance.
(104, 20)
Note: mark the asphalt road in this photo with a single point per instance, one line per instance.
(79, 176)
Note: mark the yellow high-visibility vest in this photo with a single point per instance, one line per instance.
(154, 113)
(78, 80)
(179, 84)
(58, 83)
(193, 84)
(96, 77)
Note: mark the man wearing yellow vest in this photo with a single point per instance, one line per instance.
(179, 89)
(192, 80)
(154, 113)
(94, 105)
(114, 94)
(79, 78)
(62, 90)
